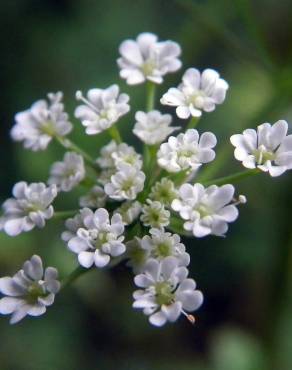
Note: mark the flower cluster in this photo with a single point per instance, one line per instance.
(135, 207)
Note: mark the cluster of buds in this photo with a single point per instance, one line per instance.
(135, 207)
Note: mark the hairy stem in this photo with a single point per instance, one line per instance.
(115, 134)
(64, 214)
(238, 176)
(68, 144)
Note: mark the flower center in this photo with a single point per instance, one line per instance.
(262, 155)
(163, 293)
(203, 210)
(48, 128)
(148, 67)
(163, 249)
(34, 291)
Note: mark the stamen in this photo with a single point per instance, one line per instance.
(189, 317)
(80, 96)
(241, 200)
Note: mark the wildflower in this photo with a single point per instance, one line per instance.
(161, 244)
(101, 108)
(187, 151)
(148, 59)
(206, 210)
(197, 92)
(129, 211)
(126, 183)
(154, 214)
(29, 291)
(41, 122)
(113, 154)
(99, 240)
(164, 191)
(137, 256)
(30, 207)
(269, 148)
(68, 173)
(153, 127)
(95, 198)
(73, 224)
(166, 292)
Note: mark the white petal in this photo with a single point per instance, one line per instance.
(157, 319)
(101, 259)
(9, 305)
(9, 287)
(172, 311)
(86, 259)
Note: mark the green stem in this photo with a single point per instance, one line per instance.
(150, 98)
(64, 214)
(68, 144)
(73, 276)
(232, 178)
(193, 122)
(115, 134)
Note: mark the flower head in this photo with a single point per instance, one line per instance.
(99, 239)
(95, 198)
(154, 214)
(73, 224)
(126, 183)
(29, 291)
(161, 244)
(164, 191)
(68, 173)
(129, 211)
(197, 92)
(269, 148)
(112, 154)
(187, 151)
(148, 59)
(101, 109)
(153, 127)
(30, 207)
(206, 210)
(41, 122)
(166, 292)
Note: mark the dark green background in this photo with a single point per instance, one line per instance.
(245, 322)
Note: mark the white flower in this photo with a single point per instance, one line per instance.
(161, 244)
(112, 154)
(129, 211)
(206, 211)
(153, 127)
(166, 292)
(154, 214)
(68, 173)
(29, 291)
(102, 108)
(95, 198)
(164, 191)
(41, 122)
(148, 59)
(269, 148)
(105, 159)
(75, 223)
(99, 239)
(126, 183)
(137, 255)
(30, 207)
(187, 151)
(197, 92)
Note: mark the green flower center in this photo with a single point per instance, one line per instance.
(262, 155)
(164, 293)
(163, 250)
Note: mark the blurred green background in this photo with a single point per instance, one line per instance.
(246, 321)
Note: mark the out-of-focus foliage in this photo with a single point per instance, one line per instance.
(245, 322)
